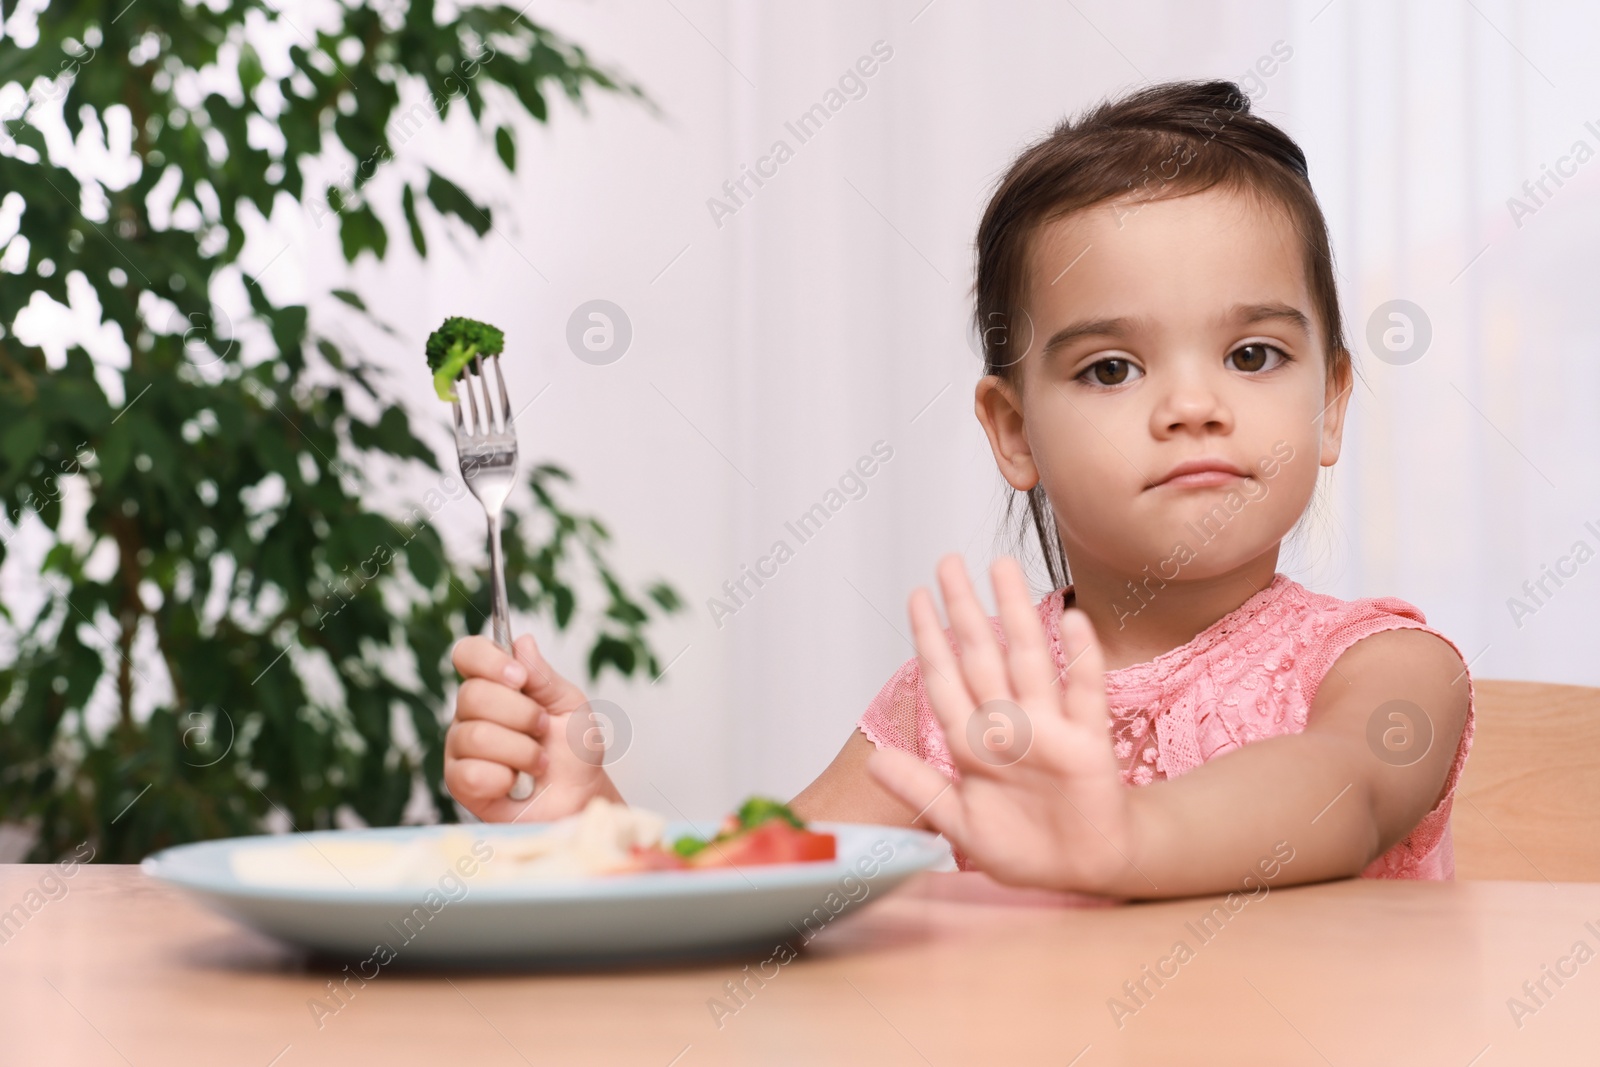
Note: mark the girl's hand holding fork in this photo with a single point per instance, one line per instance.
(517, 713)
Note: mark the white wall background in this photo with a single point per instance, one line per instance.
(830, 312)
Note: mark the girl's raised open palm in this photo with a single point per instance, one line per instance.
(1038, 800)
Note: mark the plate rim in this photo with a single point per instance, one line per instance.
(926, 849)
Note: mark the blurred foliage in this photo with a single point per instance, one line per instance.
(234, 572)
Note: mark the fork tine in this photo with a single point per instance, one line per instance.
(482, 378)
(505, 398)
(472, 396)
(475, 376)
(455, 409)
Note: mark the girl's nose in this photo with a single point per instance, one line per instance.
(1192, 404)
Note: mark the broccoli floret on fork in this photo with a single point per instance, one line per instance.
(453, 345)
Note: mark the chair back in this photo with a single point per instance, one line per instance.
(1527, 807)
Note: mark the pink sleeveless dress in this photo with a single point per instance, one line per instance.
(1252, 674)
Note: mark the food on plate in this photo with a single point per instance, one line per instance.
(761, 831)
(608, 838)
(453, 345)
(604, 839)
(334, 863)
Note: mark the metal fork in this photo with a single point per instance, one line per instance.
(488, 455)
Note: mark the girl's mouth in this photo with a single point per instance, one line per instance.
(1200, 480)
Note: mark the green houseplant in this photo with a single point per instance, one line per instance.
(256, 636)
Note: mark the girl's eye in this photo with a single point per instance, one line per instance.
(1257, 357)
(1110, 372)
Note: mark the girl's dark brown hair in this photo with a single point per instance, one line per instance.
(1165, 140)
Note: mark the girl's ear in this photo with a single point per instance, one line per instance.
(1000, 410)
(1336, 399)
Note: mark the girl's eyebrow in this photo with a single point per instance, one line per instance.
(1249, 314)
(1239, 314)
(1119, 327)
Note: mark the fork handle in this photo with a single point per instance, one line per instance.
(498, 610)
(500, 616)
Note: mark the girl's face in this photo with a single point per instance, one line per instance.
(1158, 333)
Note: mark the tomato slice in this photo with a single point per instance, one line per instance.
(774, 841)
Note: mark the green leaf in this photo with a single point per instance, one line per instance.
(361, 230)
(448, 199)
(626, 611)
(424, 563)
(84, 667)
(273, 451)
(250, 70)
(506, 146)
(608, 649)
(666, 596)
(21, 442)
(392, 433)
(350, 298)
(331, 353)
(408, 201)
(115, 453)
(524, 82)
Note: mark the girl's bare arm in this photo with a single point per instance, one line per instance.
(845, 792)
(1329, 791)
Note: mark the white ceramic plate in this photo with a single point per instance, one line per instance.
(615, 917)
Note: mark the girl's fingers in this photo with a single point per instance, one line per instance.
(982, 664)
(482, 739)
(477, 781)
(923, 788)
(1033, 673)
(1084, 699)
(555, 693)
(941, 675)
(479, 657)
(480, 698)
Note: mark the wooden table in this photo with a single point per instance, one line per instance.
(949, 970)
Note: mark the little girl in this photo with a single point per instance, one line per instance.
(1165, 374)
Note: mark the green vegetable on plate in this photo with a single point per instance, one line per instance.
(752, 813)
